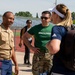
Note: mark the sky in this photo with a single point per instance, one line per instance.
(33, 6)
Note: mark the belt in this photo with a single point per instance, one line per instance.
(4, 58)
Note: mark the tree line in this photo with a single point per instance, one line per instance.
(28, 14)
(73, 15)
(25, 14)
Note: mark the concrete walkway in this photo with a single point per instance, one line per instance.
(23, 69)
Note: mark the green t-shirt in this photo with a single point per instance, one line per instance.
(41, 35)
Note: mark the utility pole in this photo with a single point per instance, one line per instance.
(55, 2)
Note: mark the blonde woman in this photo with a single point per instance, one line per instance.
(61, 17)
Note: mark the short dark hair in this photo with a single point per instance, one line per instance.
(29, 21)
(46, 12)
(6, 13)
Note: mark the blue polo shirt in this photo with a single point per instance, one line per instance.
(59, 32)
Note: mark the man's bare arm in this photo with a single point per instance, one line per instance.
(25, 40)
(28, 44)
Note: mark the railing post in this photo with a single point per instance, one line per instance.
(15, 40)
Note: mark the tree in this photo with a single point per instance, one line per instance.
(73, 15)
(37, 15)
(24, 14)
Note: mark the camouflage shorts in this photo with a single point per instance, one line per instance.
(41, 63)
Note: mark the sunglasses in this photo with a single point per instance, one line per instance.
(44, 17)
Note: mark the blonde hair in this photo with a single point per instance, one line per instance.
(67, 20)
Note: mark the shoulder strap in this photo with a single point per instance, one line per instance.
(70, 28)
(73, 27)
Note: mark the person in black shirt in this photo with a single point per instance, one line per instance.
(27, 51)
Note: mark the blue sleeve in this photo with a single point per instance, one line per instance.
(58, 32)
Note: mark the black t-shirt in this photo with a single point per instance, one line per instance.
(23, 29)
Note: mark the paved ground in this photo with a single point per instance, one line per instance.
(23, 69)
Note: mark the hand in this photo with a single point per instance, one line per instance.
(36, 50)
(20, 44)
(16, 70)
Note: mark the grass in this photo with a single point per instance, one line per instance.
(13, 73)
(73, 21)
(17, 33)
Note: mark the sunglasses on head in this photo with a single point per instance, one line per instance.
(42, 17)
(29, 22)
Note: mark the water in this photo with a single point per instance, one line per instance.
(20, 22)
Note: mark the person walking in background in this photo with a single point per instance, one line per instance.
(42, 61)
(7, 45)
(61, 16)
(27, 50)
